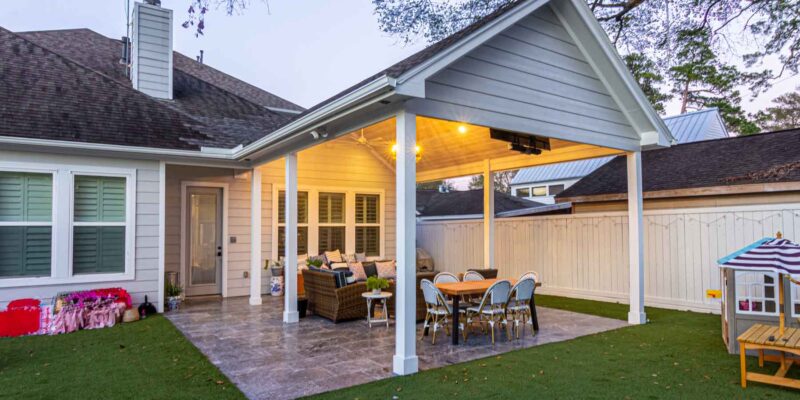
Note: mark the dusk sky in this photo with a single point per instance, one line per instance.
(302, 50)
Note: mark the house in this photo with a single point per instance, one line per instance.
(545, 182)
(115, 176)
(466, 204)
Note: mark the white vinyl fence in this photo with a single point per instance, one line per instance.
(586, 255)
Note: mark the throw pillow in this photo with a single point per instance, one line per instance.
(339, 265)
(349, 258)
(358, 271)
(370, 269)
(333, 256)
(386, 269)
(361, 257)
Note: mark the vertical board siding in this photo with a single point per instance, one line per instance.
(586, 255)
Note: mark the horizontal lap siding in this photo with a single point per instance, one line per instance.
(533, 71)
(586, 255)
(146, 247)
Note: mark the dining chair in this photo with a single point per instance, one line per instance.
(473, 276)
(438, 311)
(519, 306)
(445, 277)
(492, 308)
(530, 274)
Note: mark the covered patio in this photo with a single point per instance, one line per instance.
(286, 361)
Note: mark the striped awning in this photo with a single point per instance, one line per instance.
(766, 255)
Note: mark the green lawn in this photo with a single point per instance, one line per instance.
(679, 355)
(149, 359)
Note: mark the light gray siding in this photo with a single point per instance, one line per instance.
(145, 280)
(151, 69)
(533, 71)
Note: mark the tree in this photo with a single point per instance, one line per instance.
(645, 72)
(785, 114)
(198, 9)
(502, 181)
(701, 80)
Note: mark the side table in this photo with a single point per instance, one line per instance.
(382, 297)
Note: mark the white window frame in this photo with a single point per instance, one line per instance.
(749, 297)
(62, 224)
(347, 234)
(794, 299)
(378, 224)
(279, 224)
(313, 217)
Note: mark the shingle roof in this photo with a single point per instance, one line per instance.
(432, 203)
(763, 158)
(217, 109)
(690, 127)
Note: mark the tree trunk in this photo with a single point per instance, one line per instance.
(684, 97)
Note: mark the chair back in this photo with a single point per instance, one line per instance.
(433, 296)
(523, 290)
(496, 295)
(530, 275)
(445, 277)
(473, 276)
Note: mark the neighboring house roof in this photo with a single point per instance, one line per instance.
(71, 86)
(757, 159)
(690, 127)
(432, 203)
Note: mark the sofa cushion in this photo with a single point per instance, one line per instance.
(333, 257)
(386, 269)
(358, 271)
(369, 268)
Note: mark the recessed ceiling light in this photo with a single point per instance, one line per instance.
(462, 129)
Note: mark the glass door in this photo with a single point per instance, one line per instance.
(204, 241)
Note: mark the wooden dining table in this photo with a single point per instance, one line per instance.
(465, 288)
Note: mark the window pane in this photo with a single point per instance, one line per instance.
(368, 240)
(523, 192)
(302, 207)
(98, 249)
(331, 238)
(25, 250)
(26, 196)
(331, 208)
(556, 189)
(367, 208)
(302, 240)
(99, 199)
(540, 191)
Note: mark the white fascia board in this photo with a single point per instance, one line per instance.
(450, 217)
(220, 150)
(320, 116)
(631, 88)
(284, 110)
(412, 82)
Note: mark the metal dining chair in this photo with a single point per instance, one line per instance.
(473, 276)
(445, 277)
(492, 308)
(438, 311)
(530, 274)
(519, 304)
(534, 318)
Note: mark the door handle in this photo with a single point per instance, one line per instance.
(219, 254)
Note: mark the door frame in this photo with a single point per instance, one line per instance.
(207, 184)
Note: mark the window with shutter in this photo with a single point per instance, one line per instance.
(302, 223)
(331, 222)
(368, 229)
(99, 224)
(26, 224)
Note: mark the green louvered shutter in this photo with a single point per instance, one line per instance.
(26, 199)
(99, 249)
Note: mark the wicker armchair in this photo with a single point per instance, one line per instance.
(325, 300)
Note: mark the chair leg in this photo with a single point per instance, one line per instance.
(425, 325)
(435, 327)
(491, 326)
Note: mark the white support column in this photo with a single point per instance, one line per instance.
(290, 275)
(488, 216)
(255, 237)
(636, 239)
(405, 356)
(162, 223)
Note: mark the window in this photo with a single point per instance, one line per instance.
(368, 228)
(524, 192)
(795, 300)
(99, 224)
(539, 190)
(302, 223)
(331, 222)
(556, 189)
(26, 224)
(756, 293)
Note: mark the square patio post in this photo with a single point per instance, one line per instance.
(636, 314)
(290, 314)
(255, 237)
(488, 216)
(405, 358)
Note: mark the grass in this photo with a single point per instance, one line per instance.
(148, 359)
(678, 355)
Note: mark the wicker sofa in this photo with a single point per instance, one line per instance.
(346, 303)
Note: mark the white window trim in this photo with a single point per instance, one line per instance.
(763, 299)
(313, 217)
(794, 299)
(62, 223)
(278, 224)
(378, 224)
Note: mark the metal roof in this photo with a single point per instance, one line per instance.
(690, 127)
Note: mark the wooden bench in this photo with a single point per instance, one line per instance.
(762, 337)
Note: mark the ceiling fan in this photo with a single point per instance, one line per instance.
(362, 140)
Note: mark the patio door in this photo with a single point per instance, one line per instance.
(203, 237)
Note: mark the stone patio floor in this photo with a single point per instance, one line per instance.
(269, 360)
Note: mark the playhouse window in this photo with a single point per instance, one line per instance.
(756, 293)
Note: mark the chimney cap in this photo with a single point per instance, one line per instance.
(156, 3)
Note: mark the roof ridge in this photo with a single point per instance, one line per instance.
(753, 136)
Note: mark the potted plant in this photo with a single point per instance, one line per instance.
(173, 293)
(375, 284)
(314, 262)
